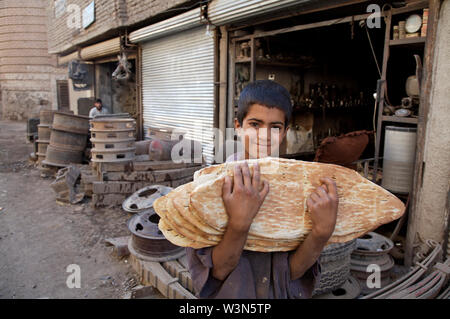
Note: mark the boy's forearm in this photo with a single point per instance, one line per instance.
(306, 254)
(225, 256)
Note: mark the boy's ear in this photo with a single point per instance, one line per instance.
(237, 126)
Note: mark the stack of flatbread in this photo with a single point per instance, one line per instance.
(194, 215)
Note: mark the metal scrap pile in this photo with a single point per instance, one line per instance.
(372, 249)
(424, 281)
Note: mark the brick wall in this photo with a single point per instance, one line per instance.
(109, 16)
(27, 71)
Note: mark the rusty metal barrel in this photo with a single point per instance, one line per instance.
(46, 117)
(43, 140)
(44, 130)
(113, 139)
(68, 139)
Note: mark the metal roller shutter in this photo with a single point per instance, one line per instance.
(101, 49)
(178, 85)
(220, 12)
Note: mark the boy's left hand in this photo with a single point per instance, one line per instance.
(323, 206)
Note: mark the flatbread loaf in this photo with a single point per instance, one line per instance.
(193, 215)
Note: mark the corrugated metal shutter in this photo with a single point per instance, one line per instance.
(228, 11)
(101, 49)
(67, 58)
(220, 12)
(178, 85)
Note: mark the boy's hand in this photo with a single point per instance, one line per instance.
(323, 206)
(242, 197)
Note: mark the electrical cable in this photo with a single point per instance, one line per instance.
(373, 51)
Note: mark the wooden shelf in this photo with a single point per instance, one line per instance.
(399, 119)
(408, 41)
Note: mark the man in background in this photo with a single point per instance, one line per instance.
(98, 109)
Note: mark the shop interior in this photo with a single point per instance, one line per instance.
(331, 72)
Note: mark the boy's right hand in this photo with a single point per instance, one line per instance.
(242, 197)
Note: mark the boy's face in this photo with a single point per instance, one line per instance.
(262, 131)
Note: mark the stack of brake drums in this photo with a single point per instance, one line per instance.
(113, 139)
(68, 139)
(44, 129)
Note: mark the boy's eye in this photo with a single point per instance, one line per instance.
(254, 124)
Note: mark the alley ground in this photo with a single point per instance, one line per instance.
(40, 238)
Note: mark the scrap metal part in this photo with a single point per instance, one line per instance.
(428, 287)
(46, 117)
(148, 242)
(44, 131)
(335, 266)
(68, 140)
(61, 157)
(351, 289)
(71, 123)
(112, 124)
(445, 294)
(113, 139)
(372, 249)
(65, 185)
(113, 156)
(143, 199)
(411, 277)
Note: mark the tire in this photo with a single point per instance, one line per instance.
(335, 266)
(339, 251)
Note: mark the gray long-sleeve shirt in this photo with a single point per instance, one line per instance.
(257, 275)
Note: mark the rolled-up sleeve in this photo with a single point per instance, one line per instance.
(200, 265)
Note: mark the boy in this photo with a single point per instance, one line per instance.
(228, 271)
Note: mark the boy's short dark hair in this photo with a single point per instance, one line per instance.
(98, 101)
(267, 93)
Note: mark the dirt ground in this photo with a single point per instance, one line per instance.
(40, 238)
